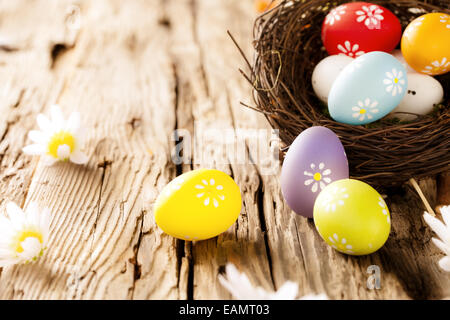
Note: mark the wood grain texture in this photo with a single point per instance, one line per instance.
(137, 72)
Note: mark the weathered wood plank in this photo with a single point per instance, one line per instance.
(122, 82)
(204, 106)
(137, 72)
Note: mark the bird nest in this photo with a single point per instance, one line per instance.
(385, 153)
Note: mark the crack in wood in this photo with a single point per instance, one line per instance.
(19, 98)
(190, 280)
(259, 194)
(103, 165)
(137, 269)
(178, 139)
(183, 248)
(57, 50)
(262, 219)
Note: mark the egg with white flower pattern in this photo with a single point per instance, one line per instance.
(198, 205)
(315, 159)
(359, 27)
(352, 217)
(426, 43)
(367, 89)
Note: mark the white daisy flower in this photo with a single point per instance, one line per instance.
(349, 49)
(394, 82)
(437, 67)
(340, 244)
(443, 232)
(317, 177)
(371, 16)
(210, 193)
(23, 235)
(365, 108)
(335, 15)
(58, 139)
(240, 288)
(445, 19)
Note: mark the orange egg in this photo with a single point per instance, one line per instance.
(264, 5)
(426, 43)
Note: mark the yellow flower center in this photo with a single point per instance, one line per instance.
(396, 80)
(59, 139)
(317, 176)
(27, 234)
(362, 111)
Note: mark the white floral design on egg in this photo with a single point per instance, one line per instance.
(365, 108)
(318, 177)
(412, 27)
(210, 193)
(371, 16)
(445, 19)
(437, 66)
(340, 244)
(383, 206)
(350, 50)
(395, 81)
(335, 15)
(336, 197)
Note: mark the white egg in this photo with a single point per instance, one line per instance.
(326, 72)
(399, 56)
(422, 94)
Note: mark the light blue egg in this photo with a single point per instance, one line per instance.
(367, 89)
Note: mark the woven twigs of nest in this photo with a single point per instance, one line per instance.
(385, 153)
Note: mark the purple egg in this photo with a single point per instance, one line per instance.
(315, 159)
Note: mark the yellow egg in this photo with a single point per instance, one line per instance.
(198, 205)
(426, 43)
(352, 217)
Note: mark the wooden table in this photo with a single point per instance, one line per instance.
(137, 70)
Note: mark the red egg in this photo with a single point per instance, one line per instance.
(360, 27)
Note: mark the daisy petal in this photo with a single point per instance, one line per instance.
(79, 157)
(49, 161)
(44, 123)
(288, 291)
(444, 263)
(73, 123)
(13, 209)
(437, 226)
(57, 116)
(37, 136)
(445, 212)
(394, 91)
(441, 245)
(34, 149)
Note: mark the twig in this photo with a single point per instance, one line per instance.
(422, 196)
